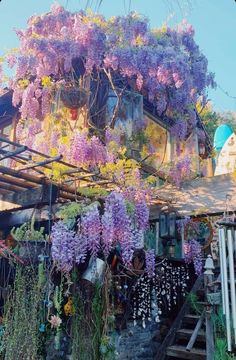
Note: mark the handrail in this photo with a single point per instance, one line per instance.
(195, 332)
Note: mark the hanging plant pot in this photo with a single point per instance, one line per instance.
(30, 250)
(74, 114)
(74, 97)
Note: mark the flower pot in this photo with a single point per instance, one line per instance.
(30, 250)
(73, 114)
(73, 97)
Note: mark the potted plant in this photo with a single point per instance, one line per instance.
(31, 243)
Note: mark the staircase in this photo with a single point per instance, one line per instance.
(183, 335)
(189, 336)
(174, 345)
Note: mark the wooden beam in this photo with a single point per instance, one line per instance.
(28, 198)
(40, 163)
(10, 154)
(9, 187)
(30, 178)
(10, 219)
(17, 182)
(75, 171)
(3, 191)
(35, 179)
(68, 196)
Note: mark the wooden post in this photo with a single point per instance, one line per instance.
(210, 347)
(208, 279)
(210, 171)
(208, 274)
(157, 238)
(182, 241)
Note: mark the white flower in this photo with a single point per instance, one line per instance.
(55, 321)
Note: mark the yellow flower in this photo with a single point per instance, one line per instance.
(54, 152)
(65, 140)
(46, 81)
(139, 40)
(164, 28)
(23, 83)
(151, 180)
(69, 308)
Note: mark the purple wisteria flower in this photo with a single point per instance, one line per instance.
(62, 246)
(91, 230)
(180, 171)
(115, 205)
(182, 223)
(167, 65)
(193, 253)
(107, 231)
(150, 262)
(141, 215)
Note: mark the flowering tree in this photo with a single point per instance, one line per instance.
(165, 65)
(87, 56)
(61, 50)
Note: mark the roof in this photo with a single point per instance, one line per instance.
(201, 196)
(7, 110)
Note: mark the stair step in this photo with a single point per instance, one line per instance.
(191, 318)
(203, 303)
(180, 352)
(200, 293)
(185, 334)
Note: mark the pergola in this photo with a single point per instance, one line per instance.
(25, 187)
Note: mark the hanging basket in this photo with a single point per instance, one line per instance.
(30, 250)
(74, 97)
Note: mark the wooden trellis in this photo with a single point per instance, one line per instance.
(24, 184)
(27, 176)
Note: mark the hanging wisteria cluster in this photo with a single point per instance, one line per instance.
(193, 253)
(150, 263)
(87, 151)
(180, 171)
(116, 227)
(165, 64)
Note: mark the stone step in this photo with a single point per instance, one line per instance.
(185, 334)
(180, 352)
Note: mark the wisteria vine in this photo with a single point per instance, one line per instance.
(193, 253)
(165, 64)
(99, 233)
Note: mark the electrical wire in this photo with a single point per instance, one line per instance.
(226, 92)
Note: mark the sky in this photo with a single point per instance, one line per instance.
(214, 22)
